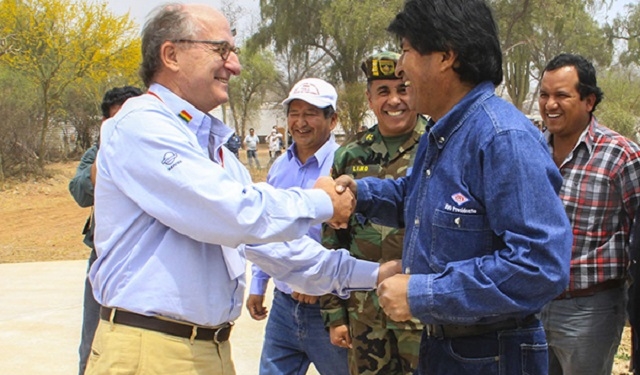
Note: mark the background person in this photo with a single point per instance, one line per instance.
(295, 335)
(234, 143)
(377, 344)
(81, 189)
(601, 194)
(487, 240)
(274, 140)
(251, 142)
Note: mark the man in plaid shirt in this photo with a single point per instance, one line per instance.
(601, 193)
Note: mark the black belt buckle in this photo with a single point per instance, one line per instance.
(222, 334)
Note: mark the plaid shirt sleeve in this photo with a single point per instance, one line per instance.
(601, 193)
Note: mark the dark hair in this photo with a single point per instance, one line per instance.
(587, 81)
(166, 22)
(466, 27)
(117, 96)
(328, 111)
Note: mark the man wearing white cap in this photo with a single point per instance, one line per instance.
(295, 335)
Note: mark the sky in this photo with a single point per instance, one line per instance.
(138, 10)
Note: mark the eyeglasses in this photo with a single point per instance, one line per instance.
(221, 47)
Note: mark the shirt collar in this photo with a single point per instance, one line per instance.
(587, 137)
(447, 125)
(320, 156)
(185, 111)
(590, 134)
(203, 125)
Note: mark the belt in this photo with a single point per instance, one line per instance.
(442, 331)
(593, 289)
(217, 335)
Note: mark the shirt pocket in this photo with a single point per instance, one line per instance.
(458, 236)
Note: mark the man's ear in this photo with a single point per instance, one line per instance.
(449, 59)
(169, 55)
(369, 100)
(334, 121)
(590, 101)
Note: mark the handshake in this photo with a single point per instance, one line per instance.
(342, 192)
(392, 284)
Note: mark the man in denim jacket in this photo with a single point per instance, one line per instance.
(487, 240)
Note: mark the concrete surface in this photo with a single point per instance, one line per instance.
(41, 315)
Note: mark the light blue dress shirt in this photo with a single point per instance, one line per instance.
(286, 172)
(171, 204)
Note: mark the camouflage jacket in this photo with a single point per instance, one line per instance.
(365, 155)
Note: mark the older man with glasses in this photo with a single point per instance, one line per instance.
(173, 208)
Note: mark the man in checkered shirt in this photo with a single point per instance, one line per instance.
(601, 193)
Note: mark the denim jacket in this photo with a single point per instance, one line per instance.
(487, 237)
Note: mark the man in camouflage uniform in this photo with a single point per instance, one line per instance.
(378, 345)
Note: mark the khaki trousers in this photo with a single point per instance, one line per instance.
(120, 349)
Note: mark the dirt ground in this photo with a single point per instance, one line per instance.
(42, 222)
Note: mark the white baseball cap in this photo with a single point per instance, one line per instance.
(315, 92)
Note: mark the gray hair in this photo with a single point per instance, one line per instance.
(166, 22)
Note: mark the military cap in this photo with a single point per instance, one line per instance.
(381, 65)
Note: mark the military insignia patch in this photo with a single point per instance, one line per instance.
(387, 67)
(381, 66)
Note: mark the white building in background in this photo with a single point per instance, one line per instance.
(270, 114)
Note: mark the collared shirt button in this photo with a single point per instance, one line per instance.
(441, 140)
(428, 172)
(407, 270)
(416, 221)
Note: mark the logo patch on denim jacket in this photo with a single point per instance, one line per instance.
(459, 198)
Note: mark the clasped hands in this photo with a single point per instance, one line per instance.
(392, 285)
(392, 297)
(342, 192)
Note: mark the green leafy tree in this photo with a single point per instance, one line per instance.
(626, 28)
(247, 91)
(82, 100)
(294, 67)
(620, 109)
(18, 115)
(57, 42)
(532, 32)
(346, 31)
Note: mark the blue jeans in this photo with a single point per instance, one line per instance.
(251, 157)
(509, 352)
(90, 318)
(584, 332)
(295, 336)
